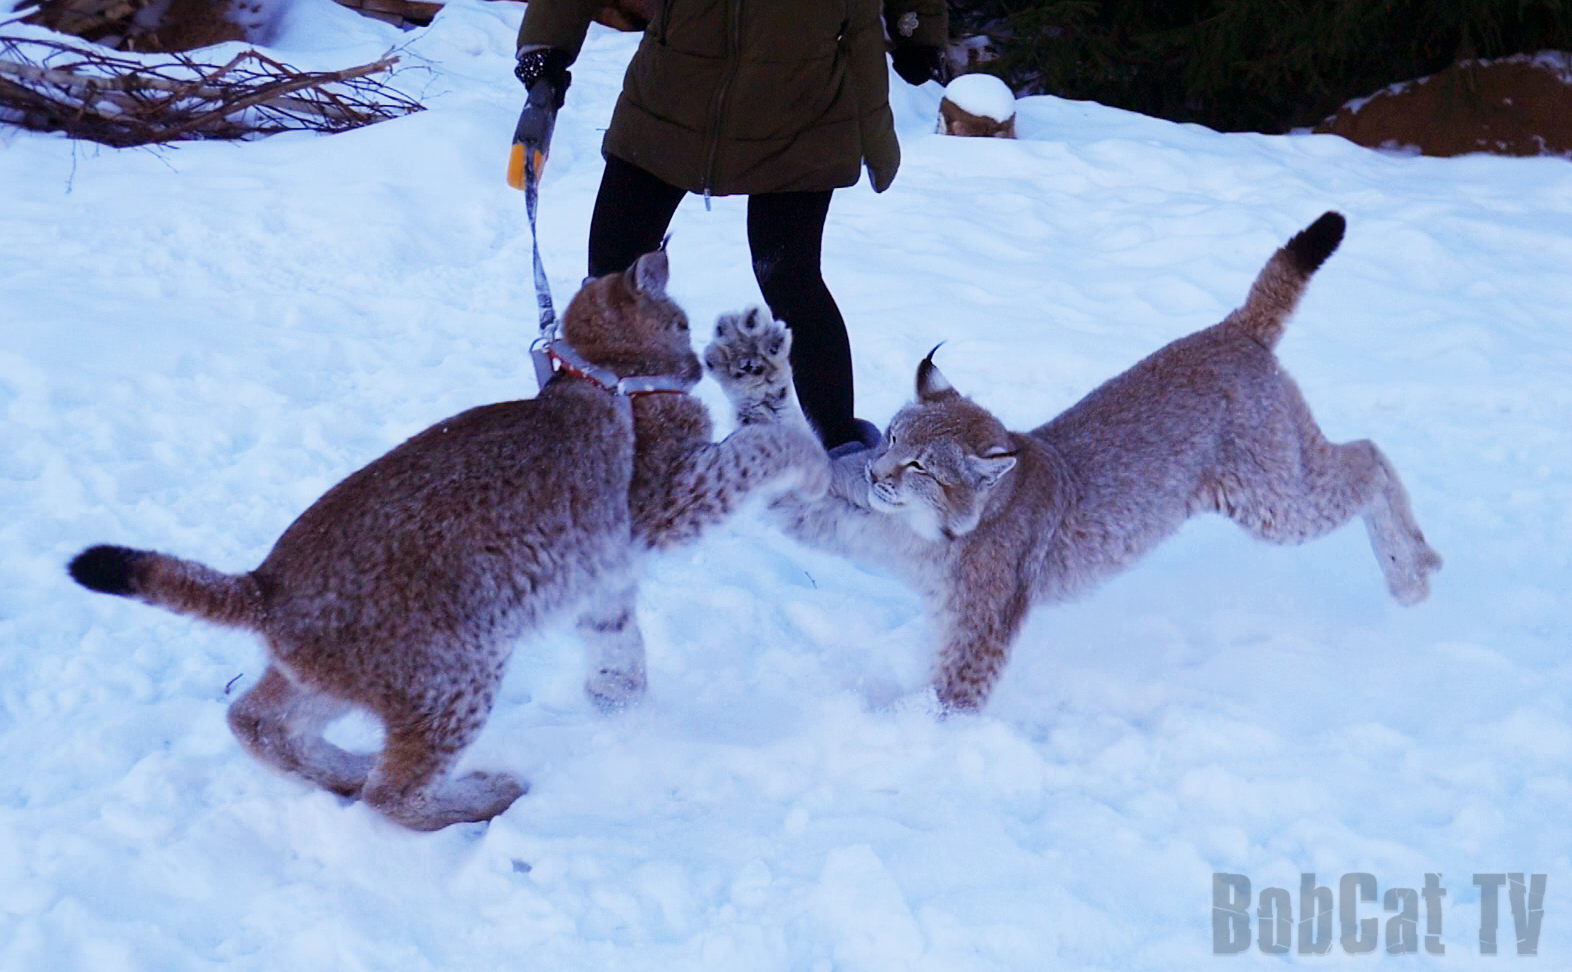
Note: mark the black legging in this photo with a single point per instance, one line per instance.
(785, 233)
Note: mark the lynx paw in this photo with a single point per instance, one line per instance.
(612, 690)
(471, 798)
(750, 358)
(481, 795)
(956, 699)
(1409, 580)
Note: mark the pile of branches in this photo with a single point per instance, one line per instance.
(123, 101)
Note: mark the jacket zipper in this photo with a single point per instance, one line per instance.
(718, 106)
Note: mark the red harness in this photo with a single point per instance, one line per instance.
(565, 360)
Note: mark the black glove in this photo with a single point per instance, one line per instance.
(917, 63)
(549, 64)
(544, 71)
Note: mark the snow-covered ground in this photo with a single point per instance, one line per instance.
(196, 342)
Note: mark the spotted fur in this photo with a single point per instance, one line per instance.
(985, 522)
(403, 590)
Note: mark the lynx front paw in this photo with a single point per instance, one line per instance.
(612, 690)
(750, 358)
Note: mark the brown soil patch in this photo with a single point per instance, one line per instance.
(1514, 106)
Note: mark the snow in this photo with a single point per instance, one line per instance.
(1556, 62)
(983, 95)
(198, 341)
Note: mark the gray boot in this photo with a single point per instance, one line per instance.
(868, 436)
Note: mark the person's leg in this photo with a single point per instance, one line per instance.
(632, 211)
(785, 232)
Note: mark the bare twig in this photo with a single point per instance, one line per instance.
(124, 100)
(17, 16)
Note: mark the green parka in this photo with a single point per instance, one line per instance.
(753, 96)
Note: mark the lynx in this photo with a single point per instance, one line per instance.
(403, 589)
(985, 522)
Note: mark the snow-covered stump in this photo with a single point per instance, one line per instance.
(979, 106)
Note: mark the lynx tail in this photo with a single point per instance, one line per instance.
(182, 586)
(1276, 292)
(1316, 242)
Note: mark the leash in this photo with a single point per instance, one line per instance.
(539, 351)
(552, 355)
(549, 352)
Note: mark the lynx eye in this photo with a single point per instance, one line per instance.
(914, 466)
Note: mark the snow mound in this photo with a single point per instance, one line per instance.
(982, 94)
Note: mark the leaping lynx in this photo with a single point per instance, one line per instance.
(403, 589)
(985, 522)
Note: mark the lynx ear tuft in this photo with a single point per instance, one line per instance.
(932, 386)
(650, 273)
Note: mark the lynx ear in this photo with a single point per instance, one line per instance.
(993, 464)
(649, 274)
(932, 386)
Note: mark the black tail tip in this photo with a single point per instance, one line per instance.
(1317, 241)
(105, 569)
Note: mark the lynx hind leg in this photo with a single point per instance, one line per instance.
(410, 782)
(610, 631)
(1399, 545)
(281, 723)
(1333, 484)
(750, 358)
